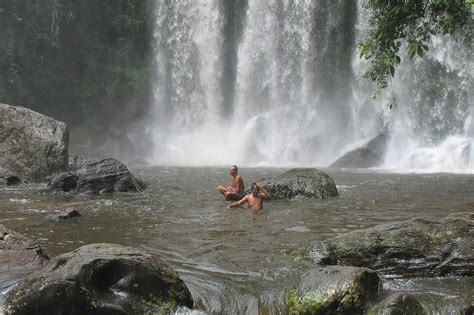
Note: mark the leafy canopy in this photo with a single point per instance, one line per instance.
(394, 22)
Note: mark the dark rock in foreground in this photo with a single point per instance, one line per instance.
(105, 176)
(398, 304)
(17, 250)
(19, 257)
(32, 146)
(100, 279)
(304, 182)
(413, 248)
(369, 155)
(333, 290)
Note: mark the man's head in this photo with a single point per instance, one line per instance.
(233, 170)
(254, 189)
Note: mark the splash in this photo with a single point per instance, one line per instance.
(279, 83)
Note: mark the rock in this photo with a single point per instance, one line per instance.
(66, 215)
(105, 176)
(77, 161)
(413, 248)
(399, 304)
(100, 279)
(13, 180)
(19, 257)
(333, 290)
(358, 158)
(369, 155)
(467, 310)
(379, 143)
(305, 182)
(32, 146)
(18, 250)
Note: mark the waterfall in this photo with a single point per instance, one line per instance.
(279, 83)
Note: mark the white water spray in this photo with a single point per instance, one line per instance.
(298, 96)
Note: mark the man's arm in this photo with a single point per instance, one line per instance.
(238, 203)
(263, 192)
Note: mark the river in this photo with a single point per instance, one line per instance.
(238, 260)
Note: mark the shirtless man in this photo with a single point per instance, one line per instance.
(236, 192)
(255, 198)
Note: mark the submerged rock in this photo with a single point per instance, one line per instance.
(32, 146)
(100, 279)
(65, 215)
(333, 290)
(399, 304)
(413, 248)
(105, 176)
(304, 182)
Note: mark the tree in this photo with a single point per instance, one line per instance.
(395, 22)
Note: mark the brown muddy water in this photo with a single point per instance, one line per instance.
(237, 261)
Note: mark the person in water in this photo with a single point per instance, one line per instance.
(255, 198)
(236, 192)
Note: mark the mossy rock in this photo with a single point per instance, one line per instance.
(301, 182)
(413, 248)
(100, 279)
(333, 290)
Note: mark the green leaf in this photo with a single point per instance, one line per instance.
(392, 71)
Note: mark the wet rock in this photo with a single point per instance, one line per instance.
(13, 180)
(19, 257)
(303, 182)
(77, 161)
(467, 310)
(333, 290)
(369, 155)
(105, 176)
(66, 215)
(100, 279)
(358, 158)
(399, 304)
(413, 248)
(32, 146)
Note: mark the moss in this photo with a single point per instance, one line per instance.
(309, 303)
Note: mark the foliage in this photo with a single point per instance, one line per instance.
(78, 61)
(396, 22)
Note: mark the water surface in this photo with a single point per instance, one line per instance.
(239, 260)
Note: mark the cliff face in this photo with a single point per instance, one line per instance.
(82, 62)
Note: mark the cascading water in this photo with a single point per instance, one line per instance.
(279, 83)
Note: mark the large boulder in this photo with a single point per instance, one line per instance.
(100, 279)
(32, 146)
(413, 248)
(105, 176)
(333, 290)
(303, 182)
(369, 155)
(19, 257)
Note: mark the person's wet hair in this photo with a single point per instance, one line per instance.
(234, 167)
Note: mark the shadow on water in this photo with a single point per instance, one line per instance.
(238, 260)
